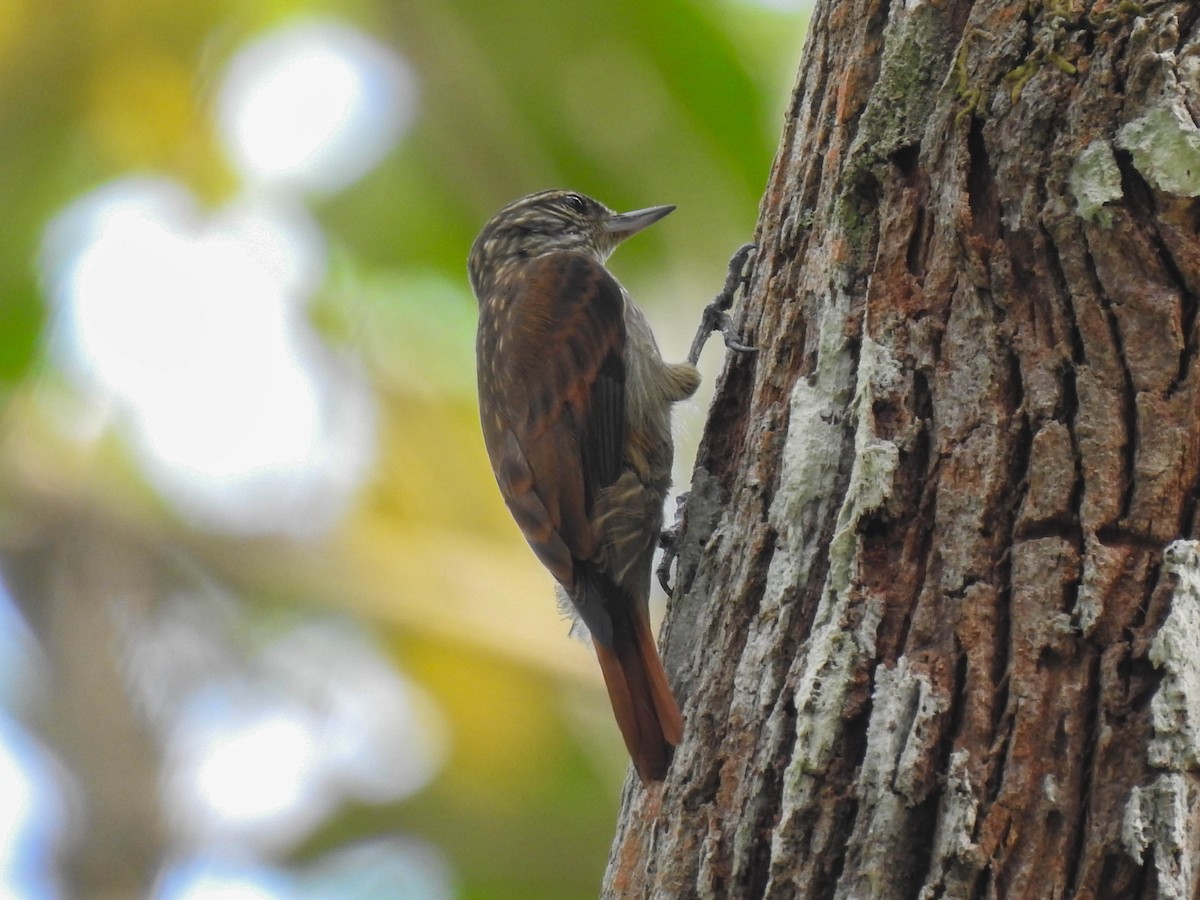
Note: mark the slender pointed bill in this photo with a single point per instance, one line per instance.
(624, 224)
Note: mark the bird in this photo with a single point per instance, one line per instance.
(575, 406)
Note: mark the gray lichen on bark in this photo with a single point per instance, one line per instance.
(837, 648)
(956, 858)
(906, 708)
(1095, 180)
(1164, 140)
(1165, 814)
(1165, 146)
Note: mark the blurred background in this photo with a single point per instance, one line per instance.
(266, 628)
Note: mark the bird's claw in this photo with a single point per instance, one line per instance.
(719, 320)
(669, 539)
(716, 314)
(739, 273)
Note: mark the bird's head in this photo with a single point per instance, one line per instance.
(548, 222)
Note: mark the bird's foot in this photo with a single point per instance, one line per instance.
(716, 314)
(669, 540)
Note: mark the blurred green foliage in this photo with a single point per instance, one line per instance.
(673, 101)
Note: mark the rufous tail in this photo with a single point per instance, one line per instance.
(641, 699)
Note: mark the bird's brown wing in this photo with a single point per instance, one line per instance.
(552, 398)
(552, 380)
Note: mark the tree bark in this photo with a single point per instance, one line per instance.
(923, 630)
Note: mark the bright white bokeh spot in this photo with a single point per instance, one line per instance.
(31, 815)
(391, 867)
(243, 770)
(195, 326)
(192, 324)
(214, 879)
(381, 738)
(277, 750)
(260, 758)
(381, 867)
(313, 105)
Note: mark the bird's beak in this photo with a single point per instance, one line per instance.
(622, 225)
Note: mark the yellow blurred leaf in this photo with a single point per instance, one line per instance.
(14, 27)
(141, 112)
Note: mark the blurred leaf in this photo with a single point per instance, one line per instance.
(415, 327)
(20, 328)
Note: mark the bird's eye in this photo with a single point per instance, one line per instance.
(576, 203)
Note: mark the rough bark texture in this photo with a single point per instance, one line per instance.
(923, 629)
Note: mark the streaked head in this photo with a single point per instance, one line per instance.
(547, 222)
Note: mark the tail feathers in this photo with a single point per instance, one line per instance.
(642, 701)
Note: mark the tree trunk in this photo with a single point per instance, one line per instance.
(923, 631)
(88, 587)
